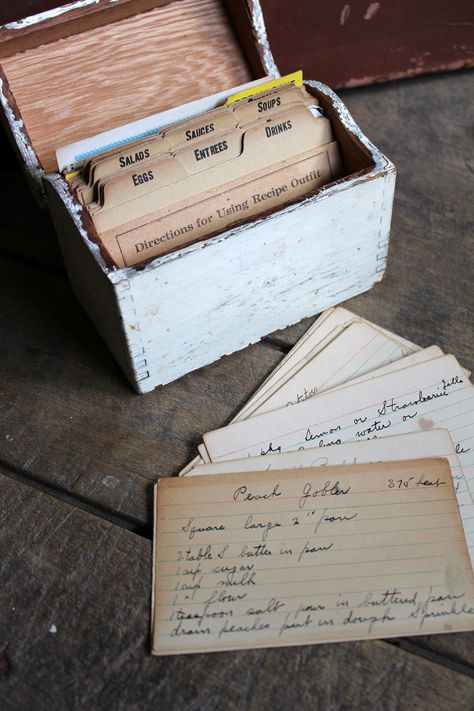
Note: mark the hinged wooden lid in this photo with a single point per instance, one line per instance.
(29, 23)
(79, 74)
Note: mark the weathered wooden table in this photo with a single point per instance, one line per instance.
(79, 453)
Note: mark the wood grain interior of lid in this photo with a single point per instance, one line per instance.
(92, 82)
(48, 22)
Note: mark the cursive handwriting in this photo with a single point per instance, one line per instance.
(450, 606)
(393, 406)
(309, 436)
(376, 426)
(256, 626)
(307, 548)
(250, 524)
(328, 489)
(273, 605)
(270, 450)
(192, 530)
(455, 380)
(243, 494)
(287, 625)
(303, 555)
(353, 619)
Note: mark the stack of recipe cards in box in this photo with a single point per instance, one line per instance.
(337, 505)
(263, 148)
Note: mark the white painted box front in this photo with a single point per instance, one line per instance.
(189, 308)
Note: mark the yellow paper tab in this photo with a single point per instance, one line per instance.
(72, 175)
(296, 78)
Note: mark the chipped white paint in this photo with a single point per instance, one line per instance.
(17, 128)
(189, 308)
(346, 119)
(48, 14)
(345, 12)
(372, 10)
(110, 481)
(53, 629)
(261, 38)
(75, 210)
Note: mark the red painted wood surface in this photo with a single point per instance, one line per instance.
(355, 42)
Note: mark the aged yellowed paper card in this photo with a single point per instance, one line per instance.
(432, 444)
(316, 555)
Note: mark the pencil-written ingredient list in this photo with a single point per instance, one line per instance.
(337, 505)
(272, 558)
(431, 394)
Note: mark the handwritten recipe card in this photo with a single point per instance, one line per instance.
(427, 395)
(309, 556)
(337, 505)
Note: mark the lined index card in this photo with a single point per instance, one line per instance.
(429, 395)
(433, 444)
(309, 556)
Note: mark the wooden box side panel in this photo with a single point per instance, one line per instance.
(216, 300)
(188, 308)
(100, 298)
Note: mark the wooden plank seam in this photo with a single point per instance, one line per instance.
(382, 244)
(140, 367)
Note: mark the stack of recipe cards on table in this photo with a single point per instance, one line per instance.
(337, 505)
(264, 147)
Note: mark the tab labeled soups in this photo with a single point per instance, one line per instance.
(199, 176)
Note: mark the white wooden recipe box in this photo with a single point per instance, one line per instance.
(188, 308)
